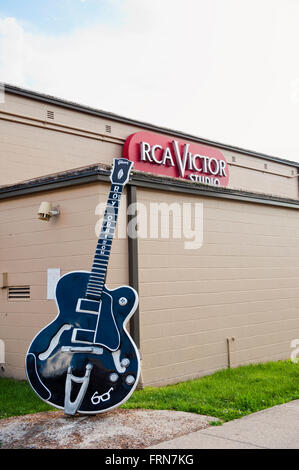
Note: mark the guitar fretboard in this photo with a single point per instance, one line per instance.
(101, 258)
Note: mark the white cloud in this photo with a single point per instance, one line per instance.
(221, 70)
(11, 51)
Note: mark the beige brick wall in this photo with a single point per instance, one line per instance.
(32, 145)
(262, 176)
(28, 151)
(243, 283)
(29, 246)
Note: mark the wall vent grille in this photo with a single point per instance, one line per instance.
(50, 114)
(108, 128)
(18, 292)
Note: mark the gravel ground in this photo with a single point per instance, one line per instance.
(117, 429)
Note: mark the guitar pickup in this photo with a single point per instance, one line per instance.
(88, 306)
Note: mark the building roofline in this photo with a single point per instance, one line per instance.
(101, 172)
(152, 127)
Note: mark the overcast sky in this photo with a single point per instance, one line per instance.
(225, 70)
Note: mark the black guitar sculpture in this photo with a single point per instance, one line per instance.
(85, 361)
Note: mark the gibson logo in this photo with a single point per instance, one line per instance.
(156, 153)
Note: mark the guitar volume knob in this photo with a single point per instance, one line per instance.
(125, 362)
(113, 377)
(130, 380)
(123, 301)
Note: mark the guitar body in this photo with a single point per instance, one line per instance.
(85, 361)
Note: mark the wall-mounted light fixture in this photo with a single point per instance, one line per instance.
(45, 211)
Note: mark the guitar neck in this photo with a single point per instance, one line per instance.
(98, 274)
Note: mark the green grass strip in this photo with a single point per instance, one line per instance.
(227, 394)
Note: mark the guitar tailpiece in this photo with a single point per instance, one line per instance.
(71, 407)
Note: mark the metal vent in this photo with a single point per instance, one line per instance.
(18, 292)
(50, 114)
(233, 159)
(108, 128)
(265, 166)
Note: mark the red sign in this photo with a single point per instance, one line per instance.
(159, 154)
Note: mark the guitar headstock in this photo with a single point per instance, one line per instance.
(120, 172)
